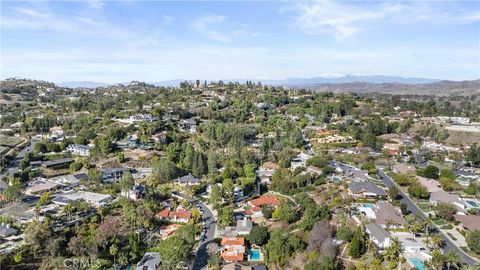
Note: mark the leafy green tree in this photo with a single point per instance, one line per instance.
(473, 241)
(281, 247)
(325, 263)
(258, 235)
(344, 233)
(126, 181)
(216, 196)
(13, 191)
(357, 246)
(225, 215)
(473, 155)
(212, 162)
(445, 210)
(418, 191)
(105, 145)
(430, 171)
(75, 166)
(267, 211)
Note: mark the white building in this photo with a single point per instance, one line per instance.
(79, 150)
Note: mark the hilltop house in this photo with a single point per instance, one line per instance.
(111, 175)
(233, 249)
(365, 190)
(79, 149)
(179, 215)
(378, 235)
(150, 261)
(188, 125)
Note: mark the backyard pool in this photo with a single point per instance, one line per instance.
(417, 263)
(255, 255)
(369, 205)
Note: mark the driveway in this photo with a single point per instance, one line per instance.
(415, 210)
(201, 257)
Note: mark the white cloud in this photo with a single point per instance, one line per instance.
(96, 4)
(343, 20)
(208, 27)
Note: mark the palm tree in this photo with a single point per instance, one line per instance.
(437, 260)
(437, 241)
(451, 258)
(393, 251)
(415, 228)
(68, 209)
(428, 242)
(113, 251)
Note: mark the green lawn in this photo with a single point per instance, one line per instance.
(425, 206)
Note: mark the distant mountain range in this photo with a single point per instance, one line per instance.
(285, 82)
(348, 83)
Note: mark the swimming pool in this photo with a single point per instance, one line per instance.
(369, 205)
(417, 263)
(255, 255)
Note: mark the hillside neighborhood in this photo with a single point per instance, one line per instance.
(228, 175)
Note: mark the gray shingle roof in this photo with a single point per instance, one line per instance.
(359, 187)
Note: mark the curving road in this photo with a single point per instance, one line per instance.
(415, 210)
(201, 257)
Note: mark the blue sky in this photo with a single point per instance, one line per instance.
(120, 41)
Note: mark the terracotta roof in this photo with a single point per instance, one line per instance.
(469, 222)
(232, 255)
(253, 210)
(165, 213)
(265, 200)
(226, 241)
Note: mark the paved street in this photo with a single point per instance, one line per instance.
(201, 258)
(413, 208)
(14, 166)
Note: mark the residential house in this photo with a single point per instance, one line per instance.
(469, 222)
(403, 169)
(7, 231)
(179, 215)
(235, 266)
(79, 149)
(35, 164)
(300, 161)
(92, 198)
(266, 171)
(233, 249)
(387, 215)
(188, 125)
(365, 190)
(464, 177)
(378, 235)
(264, 200)
(40, 186)
(150, 261)
(111, 175)
(187, 180)
(430, 184)
(137, 192)
(445, 197)
(57, 163)
(244, 226)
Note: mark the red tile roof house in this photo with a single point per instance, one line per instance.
(175, 216)
(233, 249)
(264, 200)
